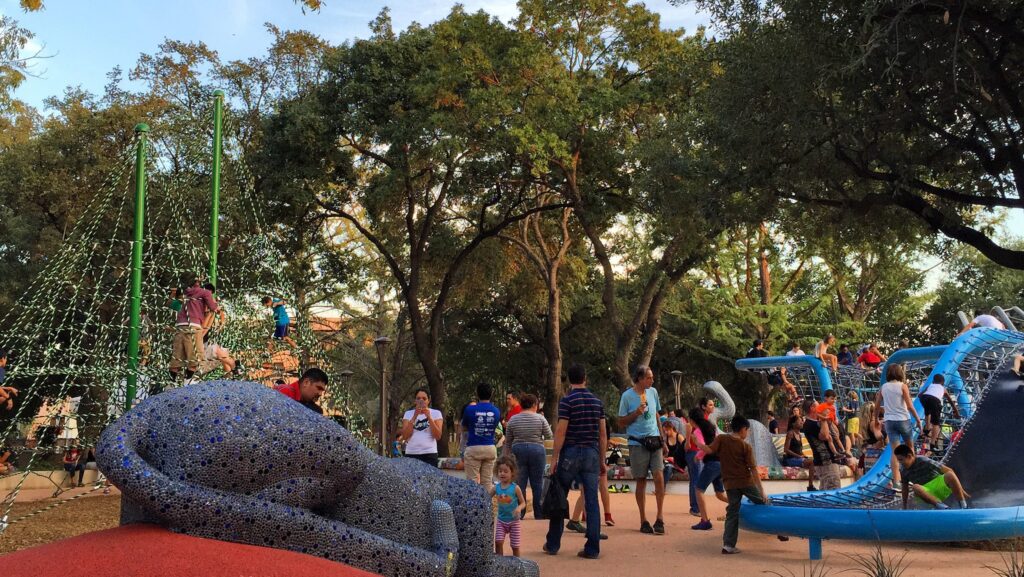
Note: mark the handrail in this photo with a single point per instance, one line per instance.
(824, 378)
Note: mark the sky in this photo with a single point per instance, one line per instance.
(86, 39)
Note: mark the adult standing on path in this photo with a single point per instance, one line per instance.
(421, 428)
(581, 441)
(897, 408)
(524, 438)
(638, 410)
(480, 421)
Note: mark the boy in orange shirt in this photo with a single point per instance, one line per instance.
(826, 414)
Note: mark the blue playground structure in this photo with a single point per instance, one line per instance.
(986, 454)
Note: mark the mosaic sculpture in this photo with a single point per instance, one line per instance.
(760, 439)
(240, 462)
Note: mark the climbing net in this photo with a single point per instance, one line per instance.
(986, 358)
(67, 337)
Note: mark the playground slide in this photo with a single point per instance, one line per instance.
(985, 458)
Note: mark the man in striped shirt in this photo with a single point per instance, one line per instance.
(581, 441)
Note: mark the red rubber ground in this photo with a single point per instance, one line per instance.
(150, 551)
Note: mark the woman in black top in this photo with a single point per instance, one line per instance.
(794, 443)
(676, 449)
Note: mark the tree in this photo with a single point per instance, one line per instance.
(913, 107)
(972, 282)
(424, 116)
(617, 141)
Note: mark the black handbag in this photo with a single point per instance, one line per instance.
(554, 503)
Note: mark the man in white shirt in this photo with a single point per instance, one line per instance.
(796, 351)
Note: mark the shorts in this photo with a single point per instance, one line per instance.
(900, 430)
(828, 476)
(938, 488)
(187, 347)
(510, 528)
(641, 461)
(853, 426)
(793, 462)
(932, 409)
(280, 331)
(711, 474)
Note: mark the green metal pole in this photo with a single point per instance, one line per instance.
(135, 303)
(218, 118)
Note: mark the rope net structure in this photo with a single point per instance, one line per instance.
(984, 360)
(67, 337)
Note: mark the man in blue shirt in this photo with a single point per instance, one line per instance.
(480, 421)
(581, 441)
(638, 414)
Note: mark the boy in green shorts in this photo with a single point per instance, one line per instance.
(931, 482)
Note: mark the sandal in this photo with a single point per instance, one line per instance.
(608, 520)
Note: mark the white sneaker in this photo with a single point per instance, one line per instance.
(726, 550)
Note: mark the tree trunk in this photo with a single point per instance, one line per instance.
(553, 350)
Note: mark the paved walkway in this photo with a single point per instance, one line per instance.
(629, 552)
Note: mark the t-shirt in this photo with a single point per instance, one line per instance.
(826, 412)
(988, 321)
(892, 402)
(280, 312)
(422, 441)
(737, 459)
(508, 502)
(584, 412)
(198, 301)
(3, 374)
(819, 449)
(921, 471)
(936, 390)
(527, 428)
(513, 412)
(292, 391)
(845, 358)
(820, 348)
(795, 353)
(480, 420)
(870, 359)
(756, 353)
(176, 305)
(773, 427)
(646, 425)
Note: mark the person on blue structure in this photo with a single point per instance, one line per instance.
(897, 409)
(281, 321)
(931, 399)
(931, 482)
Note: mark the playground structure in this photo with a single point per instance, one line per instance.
(92, 334)
(976, 369)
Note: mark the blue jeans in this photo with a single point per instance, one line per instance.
(531, 459)
(583, 465)
(693, 469)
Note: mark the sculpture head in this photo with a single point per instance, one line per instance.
(726, 408)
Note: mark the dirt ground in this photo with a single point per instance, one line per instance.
(627, 551)
(66, 520)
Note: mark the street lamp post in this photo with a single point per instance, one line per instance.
(677, 381)
(381, 344)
